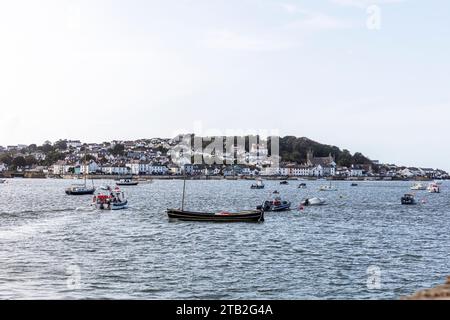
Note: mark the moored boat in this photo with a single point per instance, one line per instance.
(258, 185)
(284, 182)
(354, 184)
(275, 205)
(408, 199)
(221, 216)
(327, 188)
(418, 187)
(80, 190)
(243, 216)
(434, 188)
(2, 181)
(127, 182)
(302, 185)
(313, 202)
(110, 199)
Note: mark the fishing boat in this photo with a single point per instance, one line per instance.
(110, 199)
(127, 182)
(220, 216)
(284, 182)
(434, 188)
(302, 185)
(418, 187)
(313, 202)
(258, 185)
(408, 199)
(275, 205)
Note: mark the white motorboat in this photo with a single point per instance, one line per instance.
(418, 186)
(313, 202)
(327, 188)
(258, 185)
(2, 181)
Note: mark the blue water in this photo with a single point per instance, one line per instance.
(56, 246)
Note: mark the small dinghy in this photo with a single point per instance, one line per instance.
(108, 199)
(354, 184)
(302, 186)
(313, 202)
(284, 182)
(244, 216)
(408, 199)
(275, 205)
(258, 185)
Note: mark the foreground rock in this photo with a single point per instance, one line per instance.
(438, 293)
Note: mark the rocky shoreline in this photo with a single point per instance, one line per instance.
(441, 292)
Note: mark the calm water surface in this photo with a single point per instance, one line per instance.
(56, 246)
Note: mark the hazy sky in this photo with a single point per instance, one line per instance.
(99, 70)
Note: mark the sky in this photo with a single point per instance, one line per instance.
(369, 76)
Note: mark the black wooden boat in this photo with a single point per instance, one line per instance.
(244, 216)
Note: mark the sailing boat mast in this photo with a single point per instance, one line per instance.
(85, 167)
(184, 192)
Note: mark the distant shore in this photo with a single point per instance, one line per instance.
(39, 175)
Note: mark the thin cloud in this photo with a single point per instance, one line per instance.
(230, 40)
(311, 20)
(364, 3)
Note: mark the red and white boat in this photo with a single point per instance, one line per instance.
(110, 199)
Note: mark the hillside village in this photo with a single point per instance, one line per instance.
(154, 157)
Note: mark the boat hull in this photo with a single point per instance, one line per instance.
(313, 202)
(80, 192)
(127, 184)
(112, 206)
(246, 216)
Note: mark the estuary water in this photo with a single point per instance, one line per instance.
(362, 245)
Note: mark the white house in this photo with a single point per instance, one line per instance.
(356, 172)
(406, 173)
(135, 167)
(92, 167)
(62, 167)
(116, 170)
(317, 171)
